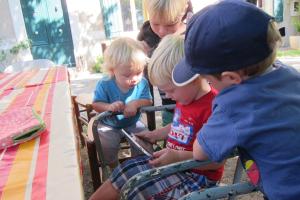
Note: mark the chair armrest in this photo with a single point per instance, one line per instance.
(221, 192)
(163, 171)
(160, 171)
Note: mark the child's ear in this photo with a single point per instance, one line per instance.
(111, 71)
(231, 78)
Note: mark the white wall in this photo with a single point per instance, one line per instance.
(87, 31)
(12, 30)
(199, 4)
(6, 30)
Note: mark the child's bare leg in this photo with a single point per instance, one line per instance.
(105, 192)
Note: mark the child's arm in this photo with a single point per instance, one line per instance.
(132, 107)
(114, 107)
(168, 156)
(155, 135)
(198, 152)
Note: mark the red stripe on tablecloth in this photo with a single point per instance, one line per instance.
(5, 93)
(7, 161)
(39, 185)
(62, 74)
(26, 98)
(5, 166)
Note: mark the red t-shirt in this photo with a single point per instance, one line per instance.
(187, 121)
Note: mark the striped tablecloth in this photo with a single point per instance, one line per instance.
(46, 167)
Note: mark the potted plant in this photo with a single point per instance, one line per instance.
(97, 68)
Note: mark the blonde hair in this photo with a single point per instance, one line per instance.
(168, 11)
(124, 51)
(168, 53)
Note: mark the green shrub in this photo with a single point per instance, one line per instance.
(289, 52)
(25, 44)
(296, 23)
(97, 68)
(20, 46)
(2, 55)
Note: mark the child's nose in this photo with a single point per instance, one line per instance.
(134, 79)
(162, 31)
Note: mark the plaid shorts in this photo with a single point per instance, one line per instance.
(169, 187)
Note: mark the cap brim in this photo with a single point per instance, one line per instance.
(182, 74)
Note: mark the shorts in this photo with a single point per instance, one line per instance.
(168, 187)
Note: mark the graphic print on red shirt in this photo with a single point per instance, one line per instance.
(187, 121)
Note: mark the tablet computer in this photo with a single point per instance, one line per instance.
(138, 143)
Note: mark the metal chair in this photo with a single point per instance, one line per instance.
(229, 191)
(27, 65)
(97, 162)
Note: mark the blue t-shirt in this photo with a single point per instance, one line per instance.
(107, 91)
(262, 116)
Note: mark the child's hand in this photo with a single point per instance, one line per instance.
(147, 136)
(116, 106)
(130, 109)
(164, 157)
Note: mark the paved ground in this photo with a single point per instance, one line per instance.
(292, 61)
(83, 82)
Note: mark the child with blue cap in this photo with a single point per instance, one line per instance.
(233, 45)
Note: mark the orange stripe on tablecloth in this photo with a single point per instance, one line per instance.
(8, 159)
(26, 98)
(16, 184)
(14, 188)
(5, 166)
(40, 178)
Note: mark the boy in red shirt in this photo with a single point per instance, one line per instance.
(193, 107)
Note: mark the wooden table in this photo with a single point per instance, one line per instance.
(48, 166)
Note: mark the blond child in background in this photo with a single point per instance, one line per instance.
(165, 17)
(180, 135)
(123, 89)
(233, 44)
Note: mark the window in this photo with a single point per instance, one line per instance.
(121, 16)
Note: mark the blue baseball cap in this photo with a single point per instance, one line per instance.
(226, 36)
